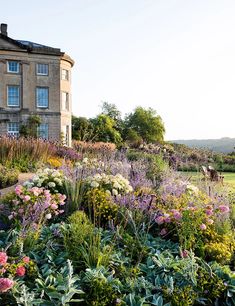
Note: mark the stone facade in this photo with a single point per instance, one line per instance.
(34, 80)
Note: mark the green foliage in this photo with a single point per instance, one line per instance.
(8, 176)
(147, 124)
(100, 288)
(82, 128)
(79, 230)
(104, 129)
(133, 138)
(74, 191)
(58, 288)
(29, 129)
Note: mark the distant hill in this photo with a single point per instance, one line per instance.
(223, 145)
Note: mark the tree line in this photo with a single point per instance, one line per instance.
(141, 125)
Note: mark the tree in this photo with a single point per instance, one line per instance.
(82, 129)
(113, 112)
(104, 129)
(147, 124)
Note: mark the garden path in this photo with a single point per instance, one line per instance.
(22, 178)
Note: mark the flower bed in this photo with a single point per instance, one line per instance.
(88, 235)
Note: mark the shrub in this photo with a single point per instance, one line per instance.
(79, 230)
(55, 162)
(100, 289)
(113, 184)
(32, 207)
(101, 206)
(8, 177)
(50, 179)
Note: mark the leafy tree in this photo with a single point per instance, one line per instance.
(114, 113)
(82, 128)
(104, 129)
(147, 124)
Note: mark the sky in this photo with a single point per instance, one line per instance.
(176, 56)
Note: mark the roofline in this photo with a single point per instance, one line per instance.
(67, 58)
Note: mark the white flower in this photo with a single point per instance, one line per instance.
(48, 216)
(108, 192)
(51, 184)
(114, 192)
(94, 184)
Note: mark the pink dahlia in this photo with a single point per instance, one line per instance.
(26, 259)
(20, 271)
(3, 258)
(5, 284)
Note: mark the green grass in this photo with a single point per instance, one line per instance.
(229, 177)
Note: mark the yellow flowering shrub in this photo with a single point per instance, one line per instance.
(101, 205)
(55, 162)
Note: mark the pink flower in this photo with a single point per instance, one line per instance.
(5, 284)
(167, 218)
(210, 221)
(26, 259)
(163, 232)
(27, 198)
(54, 206)
(177, 215)
(203, 226)
(18, 189)
(184, 254)
(3, 270)
(21, 211)
(20, 271)
(224, 208)
(3, 258)
(62, 197)
(46, 192)
(209, 212)
(160, 220)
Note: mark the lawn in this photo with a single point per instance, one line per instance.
(229, 177)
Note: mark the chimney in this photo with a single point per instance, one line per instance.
(4, 29)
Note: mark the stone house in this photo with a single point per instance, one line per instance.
(34, 80)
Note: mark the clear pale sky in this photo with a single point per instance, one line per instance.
(176, 56)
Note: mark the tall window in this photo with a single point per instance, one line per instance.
(42, 69)
(13, 95)
(13, 67)
(42, 97)
(43, 130)
(65, 100)
(65, 74)
(13, 128)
